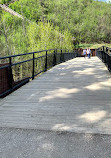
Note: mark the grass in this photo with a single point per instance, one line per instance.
(93, 45)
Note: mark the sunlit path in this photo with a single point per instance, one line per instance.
(74, 96)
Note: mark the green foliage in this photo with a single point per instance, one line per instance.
(45, 36)
(53, 25)
(4, 1)
(93, 45)
(13, 39)
(31, 9)
(19, 36)
(82, 18)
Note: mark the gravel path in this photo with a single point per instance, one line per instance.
(19, 143)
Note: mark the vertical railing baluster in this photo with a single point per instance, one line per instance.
(46, 62)
(56, 56)
(110, 63)
(54, 60)
(103, 48)
(10, 74)
(105, 57)
(33, 67)
(61, 57)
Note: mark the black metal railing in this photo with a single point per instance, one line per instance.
(17, 70)
(104, 53)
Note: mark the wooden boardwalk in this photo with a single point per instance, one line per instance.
(74, 96)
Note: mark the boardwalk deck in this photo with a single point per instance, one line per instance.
(74, 96)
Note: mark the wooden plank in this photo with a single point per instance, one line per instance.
(73, 96)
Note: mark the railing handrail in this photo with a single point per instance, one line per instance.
(46, 60)
(104, 54)
(104, 49)
(30, 53)
(25, 53)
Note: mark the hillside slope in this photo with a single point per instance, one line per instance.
(58, 22)
(88, 20)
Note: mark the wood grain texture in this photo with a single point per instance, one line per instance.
(74, 96)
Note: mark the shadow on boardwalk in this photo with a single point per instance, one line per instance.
(62, 113)
(74, 96)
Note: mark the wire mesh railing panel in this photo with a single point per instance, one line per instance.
(59, 58)
(4, 80)
(39, 65)
(50, 60)
(22, 71)
(104, 53)
(16, 70)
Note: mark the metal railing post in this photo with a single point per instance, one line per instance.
(33, 68)
(61, 56)
(56, 57)
(54, 60)
(46, 62)
(10, 73)
(109, 63)
(103, 48)
(102, 55)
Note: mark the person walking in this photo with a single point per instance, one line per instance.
(84, 53)
(88, 52)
